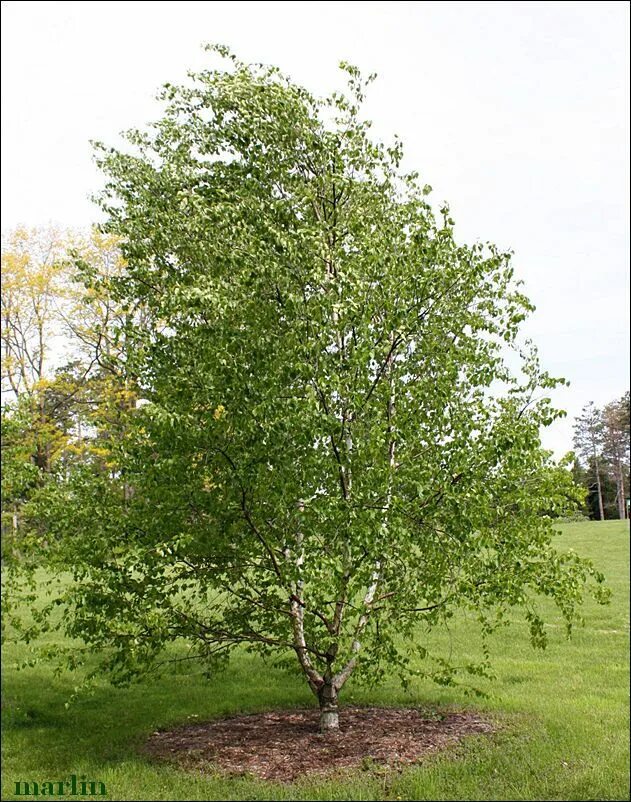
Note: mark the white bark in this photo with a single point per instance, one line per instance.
(341, 677)
(297, 612)
(329, 717)
(329, 720)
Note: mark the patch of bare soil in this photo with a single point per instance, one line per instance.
(286, 745)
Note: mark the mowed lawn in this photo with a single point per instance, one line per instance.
(562, 715)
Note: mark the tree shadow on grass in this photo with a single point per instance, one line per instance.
(106, 724)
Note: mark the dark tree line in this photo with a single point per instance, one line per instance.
(601, 441)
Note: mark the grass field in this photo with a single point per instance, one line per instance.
(563, 716)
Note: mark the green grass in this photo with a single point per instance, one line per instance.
(563, 715)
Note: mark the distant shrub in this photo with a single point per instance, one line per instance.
(574, 517)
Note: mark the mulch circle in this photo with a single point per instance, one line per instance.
(285, 745)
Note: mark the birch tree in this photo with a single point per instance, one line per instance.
(333, 456)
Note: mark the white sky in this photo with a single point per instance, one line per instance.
(517, 113)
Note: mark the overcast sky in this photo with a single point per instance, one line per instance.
(517, 113)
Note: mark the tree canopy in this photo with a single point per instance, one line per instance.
(332, 453)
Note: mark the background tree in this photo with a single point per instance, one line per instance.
(57, 375)
(588, 437)
(31, 295)
(601, 438)
(19, 472)
(616, 446)
(30, 291)
(333, 456)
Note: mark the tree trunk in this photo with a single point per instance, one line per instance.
(329, 719)
(601, 510)
(622, 501)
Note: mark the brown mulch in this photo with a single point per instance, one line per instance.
(286, 745)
